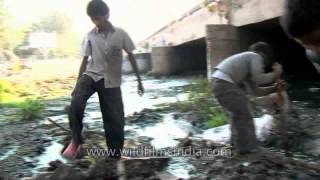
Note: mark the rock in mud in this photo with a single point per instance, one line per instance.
(83, 163)
(54, 165)
(108, 168)
(64, 172)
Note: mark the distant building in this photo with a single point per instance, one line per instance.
(42, 40)
(38, 44)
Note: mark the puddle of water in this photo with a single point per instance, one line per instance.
(51, 153)
(180, 167)
(10, 152)
(164, 133)
(152, 96)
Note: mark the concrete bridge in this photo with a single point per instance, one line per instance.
(210, 32)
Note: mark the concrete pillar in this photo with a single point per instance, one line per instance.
(165, 61)
(143, 62)
(222, 41)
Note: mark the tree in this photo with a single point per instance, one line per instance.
(55, 22)
(3, 15)
(10, 35)
(224, 8)
(67, 39)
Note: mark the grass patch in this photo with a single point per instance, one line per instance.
(30, 109)
(201, 102)
(11, 94)
(217, 118)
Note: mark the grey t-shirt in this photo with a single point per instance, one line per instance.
(246, 68)
(105, 52)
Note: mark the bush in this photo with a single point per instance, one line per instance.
(10, 94)
(30, 109)
(201, 102)
(6, 86)
(217, 118)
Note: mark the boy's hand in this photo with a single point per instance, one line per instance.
(277, 100)
(277, 70)
(281, 85)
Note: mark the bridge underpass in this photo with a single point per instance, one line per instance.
(201, 37)
(190, 57)
(224, 40)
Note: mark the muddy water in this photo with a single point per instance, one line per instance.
(162, 131)
(157, 92)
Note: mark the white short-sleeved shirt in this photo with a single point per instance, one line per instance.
(105, 52)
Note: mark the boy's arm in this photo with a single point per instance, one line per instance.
(83, 66)
(82, 69)
(263, 91)
(128, 46)
(136, 71)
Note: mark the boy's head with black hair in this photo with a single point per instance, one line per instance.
(98, 11)
(265, 50)
(301, 21)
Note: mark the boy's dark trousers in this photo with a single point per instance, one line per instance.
(111, 106)
(236, 104)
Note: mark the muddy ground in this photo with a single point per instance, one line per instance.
(23, 145)
(31, 139)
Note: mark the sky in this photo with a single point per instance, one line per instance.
(140, 18)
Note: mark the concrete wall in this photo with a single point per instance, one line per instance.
(222, 41)
(191, 26)
(143, 62)
(165, 61)
(179, 59)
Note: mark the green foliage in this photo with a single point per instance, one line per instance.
(30, 109)
(201, 102)
(217, 118)
(92, 159)
(67, 39)
(10, 97)
(6, 88)
(3, 14)
(200, 97)
(10, 35)
(55, 22)
(11, 94)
